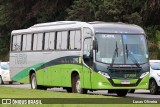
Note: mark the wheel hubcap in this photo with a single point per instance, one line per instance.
(78, 86)
(33, 82)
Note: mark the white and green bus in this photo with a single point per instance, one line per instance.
(81, 56)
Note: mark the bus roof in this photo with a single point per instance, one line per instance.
(119, 27)
(98, 26)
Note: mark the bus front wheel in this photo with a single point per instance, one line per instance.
(121, 93)
(76, 86)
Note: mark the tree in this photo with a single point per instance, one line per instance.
(151, 12)
(106, 10)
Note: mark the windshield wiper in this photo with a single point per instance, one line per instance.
(114, 55)
(131, 57)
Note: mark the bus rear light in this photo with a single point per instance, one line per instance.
(104, 74)
(144, 74)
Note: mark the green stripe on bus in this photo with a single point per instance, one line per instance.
(25, 72)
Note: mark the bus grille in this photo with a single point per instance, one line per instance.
(125, 73)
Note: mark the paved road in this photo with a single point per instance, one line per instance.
(137, 94)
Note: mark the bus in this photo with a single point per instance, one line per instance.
(81, 56)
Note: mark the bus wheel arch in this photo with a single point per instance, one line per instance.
(75, 83)
(30, 74)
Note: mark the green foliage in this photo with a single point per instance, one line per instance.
(106, 10)
(81, 10)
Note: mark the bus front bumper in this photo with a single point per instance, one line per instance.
(103, 83)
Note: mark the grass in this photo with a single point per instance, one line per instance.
(6, 92)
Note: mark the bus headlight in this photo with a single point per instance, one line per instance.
(104, 74)
(144, 74)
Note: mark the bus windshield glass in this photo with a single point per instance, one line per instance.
(123, 49)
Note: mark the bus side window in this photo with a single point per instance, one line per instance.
(27, 41)
(40, 41)
(64, 40)
(24, 42)
(46, 43)
(37, 42)
(49, 41)
(87, 51)
(16, 44)
(75, 40)
(59, 40)
(72, 38)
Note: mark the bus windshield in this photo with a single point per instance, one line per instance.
(122, 48)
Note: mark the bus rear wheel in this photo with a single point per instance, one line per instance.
(76, 86)
(33, 81)
(121, 93)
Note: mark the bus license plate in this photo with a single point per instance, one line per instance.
(125, 82)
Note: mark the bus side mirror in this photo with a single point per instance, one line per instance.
(95, 45)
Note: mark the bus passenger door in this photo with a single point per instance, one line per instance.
(87, 61)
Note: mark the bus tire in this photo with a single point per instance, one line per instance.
(131, 91)
(41, 87)
(111, 91)
(1, 81)
(153, 87)
(33, 81)
(69, 90)
(76, 86)
(10, 82)
(121, 93)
